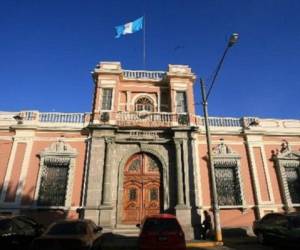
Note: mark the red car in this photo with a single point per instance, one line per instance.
(161, 232)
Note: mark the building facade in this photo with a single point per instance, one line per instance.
(142, 150)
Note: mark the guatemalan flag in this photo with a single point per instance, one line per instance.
(129, 28)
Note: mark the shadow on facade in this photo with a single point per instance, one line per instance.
(195, 216)
(27, 205)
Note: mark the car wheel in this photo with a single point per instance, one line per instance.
(261, 238)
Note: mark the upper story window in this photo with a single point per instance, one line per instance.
(164, 101)
(106, 98)
(144, 104)
(181, 105)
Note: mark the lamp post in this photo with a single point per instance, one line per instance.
(216, 211)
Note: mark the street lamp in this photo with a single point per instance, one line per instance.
(218, 233)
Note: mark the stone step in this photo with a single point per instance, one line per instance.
(130, 232)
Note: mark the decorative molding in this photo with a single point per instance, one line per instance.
(224, 156)
(60, 154)
(283, 158)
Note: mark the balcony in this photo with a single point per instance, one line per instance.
(143, 119)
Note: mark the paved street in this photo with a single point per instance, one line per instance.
(232, 243)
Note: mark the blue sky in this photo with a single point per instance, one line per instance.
(48, 49)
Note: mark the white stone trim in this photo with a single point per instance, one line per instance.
(24, 171)
(253, 167)
(197, 173)
(54, 139)
(267, 173)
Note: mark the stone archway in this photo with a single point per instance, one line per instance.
(142, 188)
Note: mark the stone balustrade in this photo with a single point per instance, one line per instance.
(142, 74)
(145, 119)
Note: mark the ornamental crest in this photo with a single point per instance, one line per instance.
(58, 153)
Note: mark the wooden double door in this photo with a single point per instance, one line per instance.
(142, 188)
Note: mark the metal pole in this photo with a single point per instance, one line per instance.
(216, 210)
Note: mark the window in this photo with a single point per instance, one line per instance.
(144, 104)
(132, 194)
(293, 181)
(153, 194)
(181, 106)
(56, 175)
(228, 187)
(53, 185)
(164, 101)
(106, 98)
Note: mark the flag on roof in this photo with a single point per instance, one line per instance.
(129, 28)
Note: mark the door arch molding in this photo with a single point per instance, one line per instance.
(164, 179)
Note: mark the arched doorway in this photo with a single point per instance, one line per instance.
(142, 188)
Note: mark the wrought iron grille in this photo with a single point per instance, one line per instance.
(53, 185)
(228, 187)
(293, 180)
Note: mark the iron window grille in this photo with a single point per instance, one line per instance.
(228, 186)
(293, 181)
(53, 185)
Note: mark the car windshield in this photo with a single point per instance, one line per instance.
(295, 222)
(68, 228)
(155, 224)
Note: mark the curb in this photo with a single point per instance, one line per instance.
(204, 244)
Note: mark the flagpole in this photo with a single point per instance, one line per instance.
(144, 43)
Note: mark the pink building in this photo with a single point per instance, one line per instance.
(142, 150)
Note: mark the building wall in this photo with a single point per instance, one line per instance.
(101, 146)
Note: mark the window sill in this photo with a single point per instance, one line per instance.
(240, 207)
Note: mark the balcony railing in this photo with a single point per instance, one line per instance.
(220, 121)
(54, 117)
(141, 74)
(146, 119)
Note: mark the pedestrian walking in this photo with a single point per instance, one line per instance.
(206, 226)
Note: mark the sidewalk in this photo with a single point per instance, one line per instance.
(117, 242)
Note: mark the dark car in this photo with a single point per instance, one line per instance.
(70, 235)
(18, 232)
(161, 232)
(278, 228)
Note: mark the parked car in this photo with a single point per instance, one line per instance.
(161, 232)
(70, 235)
(18, 232)
(278, 229)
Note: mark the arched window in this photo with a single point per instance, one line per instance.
(144, 104)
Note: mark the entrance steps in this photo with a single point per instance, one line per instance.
(126, 230)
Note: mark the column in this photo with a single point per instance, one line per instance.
(186, 172)
(180, 198)
(106, 200)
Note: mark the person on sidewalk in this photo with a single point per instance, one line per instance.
(206, 226)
